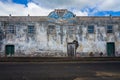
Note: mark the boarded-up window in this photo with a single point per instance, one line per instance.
(11, 29)
(91, 29)
(51, 29)
(71, 29)
(109, 29)
(31, 29)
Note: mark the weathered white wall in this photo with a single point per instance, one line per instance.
(44, 44)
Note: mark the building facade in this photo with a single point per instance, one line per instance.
(56, 35)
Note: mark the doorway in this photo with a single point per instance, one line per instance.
(9, 49)
(111, 49)
(71, 49)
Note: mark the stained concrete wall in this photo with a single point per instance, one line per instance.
(52, 41)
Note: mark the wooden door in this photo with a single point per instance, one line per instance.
(111, 49)
(9, 49)
(71, 49)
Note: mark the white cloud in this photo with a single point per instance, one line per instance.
(66, 3)
(79, 13)
(7, 8)
(110, 5)
(44, 7)
(33, 9)
(36, 10)
(80, 4)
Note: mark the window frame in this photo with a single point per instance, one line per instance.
(108, 29)
(51, 29)
(31, 29)
(71, 29)
(11, 29)
(91, 30)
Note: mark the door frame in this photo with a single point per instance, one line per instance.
(112, 54)
(71, 55)
(12, 51)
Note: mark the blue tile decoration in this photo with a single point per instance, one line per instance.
(66, 15)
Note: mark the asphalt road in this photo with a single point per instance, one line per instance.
(60, 71)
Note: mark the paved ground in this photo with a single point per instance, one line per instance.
(60, 71)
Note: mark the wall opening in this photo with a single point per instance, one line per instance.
(9, 50)
(111, 49)
(71, 49)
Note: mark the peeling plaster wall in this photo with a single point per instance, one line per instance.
(54, 43)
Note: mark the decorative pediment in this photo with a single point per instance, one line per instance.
(61, 14)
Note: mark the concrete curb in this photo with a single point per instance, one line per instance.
(57, 59)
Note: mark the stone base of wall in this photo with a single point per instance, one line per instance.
(42, 54)
(56, 54)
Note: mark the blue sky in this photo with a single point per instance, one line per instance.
(21, 1)
(44, 7)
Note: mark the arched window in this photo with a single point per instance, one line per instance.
(68, 15)
(53, 15)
